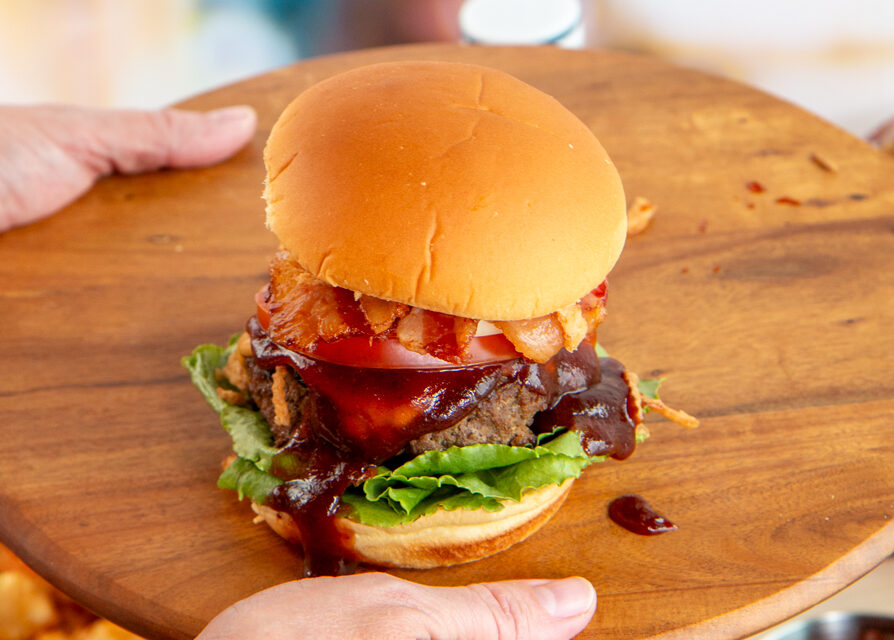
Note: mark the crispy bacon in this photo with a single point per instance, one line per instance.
(436, 334)
(538, 339)
(639, 216)
(411, 330)
(592, 308)
(574, 326)
(464, 330)
(674, 415)
(657, 405)
(305, 310)
(381, 314)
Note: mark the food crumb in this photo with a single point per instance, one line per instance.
(788, 200)
(716, 268)
(755, 187)
(883, 137)
(684, 270)
(702, 226)
(824, 163)
(639, 215)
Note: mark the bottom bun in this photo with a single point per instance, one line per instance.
(443, 538)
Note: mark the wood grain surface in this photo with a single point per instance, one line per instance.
(774, 323)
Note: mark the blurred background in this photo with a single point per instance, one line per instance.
(834, 58)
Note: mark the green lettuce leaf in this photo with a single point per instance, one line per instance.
(476, 476)
(202, 364)
(247, 480)
(251, 435)
(252, 439)
(383, 514)
(649, 387)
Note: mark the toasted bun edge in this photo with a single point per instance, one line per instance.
(444, 538)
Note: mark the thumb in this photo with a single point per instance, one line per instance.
(378, 606)
(515, 610)
(136, 141)
(51, 155)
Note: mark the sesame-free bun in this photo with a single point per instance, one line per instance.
(443, 538)
(450, 187)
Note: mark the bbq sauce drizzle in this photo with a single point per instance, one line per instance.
(635, 514)
(357, 418)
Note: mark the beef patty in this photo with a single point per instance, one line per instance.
(500, 418)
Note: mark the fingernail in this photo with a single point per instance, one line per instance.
(230, 115)
(566, 598)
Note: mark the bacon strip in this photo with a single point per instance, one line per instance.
(381, 314)
(305, 310)
(411, 331)
(464, 330)
(538, 339)
(593, 310)
(436, 334)
(574, 326)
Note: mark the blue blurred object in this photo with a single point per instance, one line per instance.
(316, 27)
(522, 22)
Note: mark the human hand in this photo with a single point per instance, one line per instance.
(377, 605)
(51, 155)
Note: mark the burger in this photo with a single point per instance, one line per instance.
(420, 383)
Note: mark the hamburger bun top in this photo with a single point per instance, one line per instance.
(450, 187)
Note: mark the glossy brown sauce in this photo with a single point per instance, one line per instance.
(357, 418)
(601, 413)
(636, 515)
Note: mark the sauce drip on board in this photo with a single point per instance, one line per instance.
(636, 515)
(755, 187)
(356, 418)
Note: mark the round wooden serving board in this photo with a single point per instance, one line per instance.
(774, 323)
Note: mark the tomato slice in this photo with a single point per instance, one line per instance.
(389, 353)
